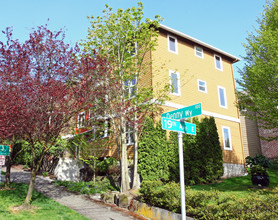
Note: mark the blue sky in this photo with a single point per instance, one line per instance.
(221, 23)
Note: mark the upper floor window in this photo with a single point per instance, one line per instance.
(199, 52)
(222, 97)
(175, 82)
(202, 86)
(218, 62)
(172, 44)
(227, 141)
(81, 120)
(130, 88)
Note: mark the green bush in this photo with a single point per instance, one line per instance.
(106, 165)
(211, 204)
(258, 160)
(102, 185)
(154, 153)
(158, 157)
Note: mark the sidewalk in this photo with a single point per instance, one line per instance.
(79, 203)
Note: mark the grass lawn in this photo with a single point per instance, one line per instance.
(240, 186)
(46, 208)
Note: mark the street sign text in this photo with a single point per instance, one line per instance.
(4, 150)
(187, 112)
(174, 125)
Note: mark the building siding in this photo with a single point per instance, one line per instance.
(190, 69)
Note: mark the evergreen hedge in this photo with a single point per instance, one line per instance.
(159, 160)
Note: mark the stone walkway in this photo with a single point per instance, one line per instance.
(81, 204)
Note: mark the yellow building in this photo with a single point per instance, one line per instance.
(199, 72)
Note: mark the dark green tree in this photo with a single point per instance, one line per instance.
(211, 156)
(153, 157)
(203, 160)
(259, 77)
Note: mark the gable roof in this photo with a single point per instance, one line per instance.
(201, 43)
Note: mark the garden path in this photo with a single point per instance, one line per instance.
(81, 204)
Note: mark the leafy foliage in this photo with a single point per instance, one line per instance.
(257, 165)
(211, 204)
(258, 160)
(259, 77)
(155, 153)
(100, 186)
(127, 39)
(44, 84)
(158, 157)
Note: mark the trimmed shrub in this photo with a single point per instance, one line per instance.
(153, 153)
(159, 157)
(211, 204)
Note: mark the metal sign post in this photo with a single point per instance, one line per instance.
(174, 121)
(183, 208)
(0, 173)
(2, 162)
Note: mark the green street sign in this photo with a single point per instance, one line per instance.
(4, 150)
(178, 126)
(187, 112)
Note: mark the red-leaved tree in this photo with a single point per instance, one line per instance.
(44, 83)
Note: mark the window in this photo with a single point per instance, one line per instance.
(129, 135)
(202, 86)
(218, 62)
(227, 141)
(222, 97)
(102, 129)
(175, 82)
(172, 44)
(133, 49)
(130, 88)
(199, 52)
(81, 120)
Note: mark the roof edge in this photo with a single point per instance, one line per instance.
(235, 59)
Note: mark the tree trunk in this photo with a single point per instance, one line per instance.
(124, 166)
(135, 158)
(8, 171)
(31, 187)
(94, 176)
(35, 169)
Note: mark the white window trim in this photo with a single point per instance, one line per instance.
(230, 138)
(225, 97)
(129, 88)
(215, 62)
(196, 54)
(178, 77)
(135, 50)
(129, 131)
(79, 119)
(176, 44)
(198, 84)
(105, 130)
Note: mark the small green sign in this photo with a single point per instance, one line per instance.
(174, 125)
(186, 112)
(4, 150)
